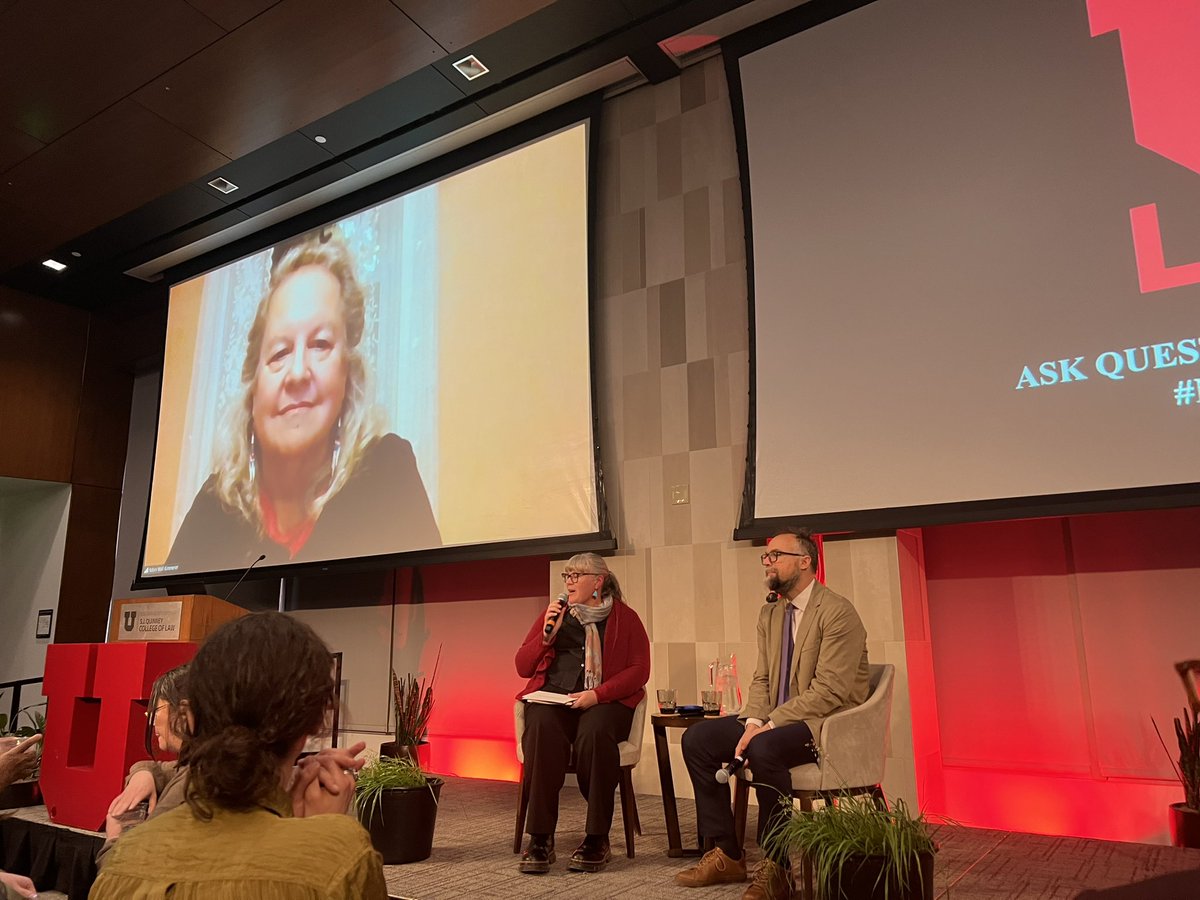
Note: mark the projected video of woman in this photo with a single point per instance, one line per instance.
(389, 383)
(304, 463)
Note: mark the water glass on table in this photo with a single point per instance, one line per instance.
(711, 701)
(666, 701)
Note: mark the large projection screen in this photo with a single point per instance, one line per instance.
(976, 257)
(414, 376)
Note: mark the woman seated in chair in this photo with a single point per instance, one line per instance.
(158, 784)
(254, 828)
(595, 651)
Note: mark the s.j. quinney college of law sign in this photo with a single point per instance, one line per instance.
(151, 621)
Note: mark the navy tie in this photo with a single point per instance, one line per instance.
(785, 656)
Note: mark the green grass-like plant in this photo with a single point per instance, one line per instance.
(412, 705)
(382, 774)
(843, 833)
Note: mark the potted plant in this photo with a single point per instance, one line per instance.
(397, 804)
(1185, 816)
(860, 851)
(25, 792)
(412, 705)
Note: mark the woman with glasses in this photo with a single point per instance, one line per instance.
(594, 651)
(158, 784)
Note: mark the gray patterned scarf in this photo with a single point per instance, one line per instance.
(593, 662)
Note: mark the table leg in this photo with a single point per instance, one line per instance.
(675, 846)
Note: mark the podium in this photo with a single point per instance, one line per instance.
(190, 617)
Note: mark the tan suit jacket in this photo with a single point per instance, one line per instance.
(829, 663)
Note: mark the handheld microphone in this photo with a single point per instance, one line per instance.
(562, 601)
(772, 597)
(261, 557)
(730, 769)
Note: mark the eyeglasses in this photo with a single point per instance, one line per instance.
(772, 556)
(573, 577)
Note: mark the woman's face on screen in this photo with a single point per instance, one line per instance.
(301, 379)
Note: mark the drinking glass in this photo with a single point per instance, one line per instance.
(711, 701)
(666, 701)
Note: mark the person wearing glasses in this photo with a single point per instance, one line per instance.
(160, 785)
(596, 653)
(812, 662)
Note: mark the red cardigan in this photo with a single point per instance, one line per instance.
(626, 658)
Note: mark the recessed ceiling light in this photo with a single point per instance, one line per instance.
(76, 254)
(53, 264)
(470, 68)
(320, 139)
(223, 185)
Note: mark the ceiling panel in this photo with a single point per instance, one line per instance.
(54, 78)
(25, 235)
(15, 146)
(291, 65)
(124, 157)
(231, 14)
(454, 25)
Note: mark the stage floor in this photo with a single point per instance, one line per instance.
(472, 858)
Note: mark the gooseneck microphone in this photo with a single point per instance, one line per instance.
(730, 769)
(562, 601)
(261, 557)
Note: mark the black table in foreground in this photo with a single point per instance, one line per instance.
(660, 723)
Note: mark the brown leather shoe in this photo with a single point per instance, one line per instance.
(771, 882)
(715, 867)
(538, 855)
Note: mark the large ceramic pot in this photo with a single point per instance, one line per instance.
(1185, 826)
(418, 754)
(401, 825)
(859, 880)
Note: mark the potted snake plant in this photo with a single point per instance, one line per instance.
(1185, 816)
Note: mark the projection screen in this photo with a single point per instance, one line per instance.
(414, 376)
(976, 257)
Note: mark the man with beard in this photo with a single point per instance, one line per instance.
(812, 662)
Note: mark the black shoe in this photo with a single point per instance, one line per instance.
(538, 855)
(592, 855)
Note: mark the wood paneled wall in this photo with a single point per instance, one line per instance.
(65, 395)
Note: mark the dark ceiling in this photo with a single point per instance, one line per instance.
(114, 116)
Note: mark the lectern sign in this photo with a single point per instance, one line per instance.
(151, 621)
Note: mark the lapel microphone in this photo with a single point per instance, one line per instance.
(773, 597)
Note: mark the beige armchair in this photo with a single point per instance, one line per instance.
(631, 752)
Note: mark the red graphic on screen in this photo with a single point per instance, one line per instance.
(1160, 44)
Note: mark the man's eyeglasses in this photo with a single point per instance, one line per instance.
(573, 577)
(772, 556)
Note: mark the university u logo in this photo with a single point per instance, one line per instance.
(129, 617)
(1162, 69)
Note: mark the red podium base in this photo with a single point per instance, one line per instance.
(96, 700)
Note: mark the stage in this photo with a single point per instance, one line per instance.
(472, 857)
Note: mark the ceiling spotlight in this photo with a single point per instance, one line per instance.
(320, 139)
(222, 185)
(53, 264)
(470, 68)
(76, 254)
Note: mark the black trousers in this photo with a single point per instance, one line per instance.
(708, 745)
(595, 733)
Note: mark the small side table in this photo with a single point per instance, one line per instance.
(660, 723)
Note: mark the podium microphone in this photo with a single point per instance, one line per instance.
(562, 601)
(730, 769)
(244, 574)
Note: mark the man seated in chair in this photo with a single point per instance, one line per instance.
(812, 662)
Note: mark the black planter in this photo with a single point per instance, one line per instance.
(401, 826)
(1185, 826)
(19, 794)
(860, 881)
(398, 751)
